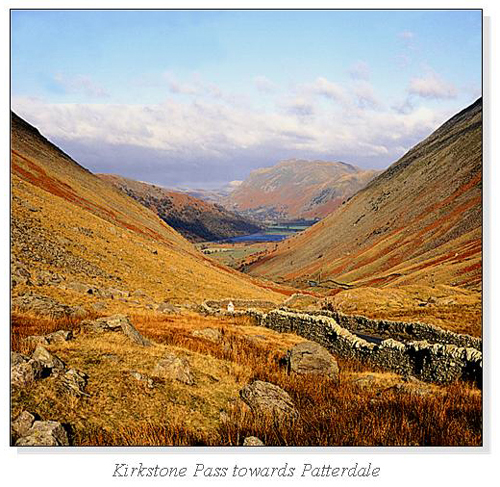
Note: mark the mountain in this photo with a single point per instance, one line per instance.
(297, 188)
(70, 228)
(419, 222)
(194, 218)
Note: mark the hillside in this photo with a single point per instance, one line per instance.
(419, 222)
(298, 189)
(195, 219)
(72, 231)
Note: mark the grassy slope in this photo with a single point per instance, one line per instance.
(196, 219)
(419, 222)
(301, 189)
(67, 220)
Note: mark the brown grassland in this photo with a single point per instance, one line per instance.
(364, 408)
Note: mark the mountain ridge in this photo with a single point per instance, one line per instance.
(423, 211)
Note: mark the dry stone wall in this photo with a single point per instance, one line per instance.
(430, 362)
(404, 331)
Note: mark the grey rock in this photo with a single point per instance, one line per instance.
(130, 331)
(269, 399)
(17, 358)
(139, 293)
(48, 361)
(42, 305)
(37, 340)
(252, 441)
(166, 307)
(173, 367)
(74, 382)
(59, 336)
(25, 373)
(45, 433)
(211, 334)
(115, 323)
(312, 358)
(22, 424)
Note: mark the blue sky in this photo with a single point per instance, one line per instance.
(201, 98)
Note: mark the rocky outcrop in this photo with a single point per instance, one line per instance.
(43, 305)
(44, 433)
(24, 373)
(50, 363)
(174, 367)
(268, 399)
(59, 336)
(311, 358)
(113, 324)
(74, 382)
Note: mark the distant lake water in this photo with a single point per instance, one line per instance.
(258, 237)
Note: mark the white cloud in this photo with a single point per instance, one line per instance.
(174, 137)
(365, 95)
(264, 84)
(360, 71)
(432, 86)
(326, 88)
(80, 84)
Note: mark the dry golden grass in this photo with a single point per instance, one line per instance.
(124, 411)
(454, 309)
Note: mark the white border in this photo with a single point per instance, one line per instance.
(398, 466)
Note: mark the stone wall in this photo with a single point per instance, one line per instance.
(430, 362)
(404, 331)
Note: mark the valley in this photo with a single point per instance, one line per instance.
(344, 313)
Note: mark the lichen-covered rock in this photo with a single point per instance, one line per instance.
(17, 358)
(45, 433)
(45, 306)
(252, 441)
(173, 367)
(166, 307)
(24, 374)
(49, 361)
(22, 424)
(312, 358)
(74, 382)
(269, 399)
(115, 323)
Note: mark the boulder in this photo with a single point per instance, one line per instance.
(269, 399)
(44, 433)
(22, 424)
(30, 302)
(211, 334)
(48, 361)
(74, 382)
(312, 358)
(17, 358)
(25, 373)
(166, 307)
(173, 367)
(252, 441)
(115, 323)
(59, 336)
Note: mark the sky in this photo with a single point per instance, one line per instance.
(201, 98)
